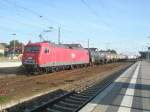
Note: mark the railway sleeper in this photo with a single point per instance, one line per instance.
(85, 94)
(78, 98)
(62, 108)
(81, 96)
(73, 101)
(90, 92)
(66, 104)
(93, 88)
(52, 110)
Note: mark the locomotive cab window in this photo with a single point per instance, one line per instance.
(46, 50)
(32, 49)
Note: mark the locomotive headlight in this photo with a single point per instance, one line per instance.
(30, 58)
(33, 61)
(29, 61)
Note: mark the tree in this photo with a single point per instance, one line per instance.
(18, 46)
(4, 44)
(112, 51)
(12, 42)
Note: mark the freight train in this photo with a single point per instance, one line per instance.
(48, 57)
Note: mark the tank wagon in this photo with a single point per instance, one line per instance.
(104, 56)
(45, 56)
(95, 56)
(107, 57)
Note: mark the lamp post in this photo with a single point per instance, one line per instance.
(59, 35)
(14, 45)
(148, 52)
(88, 43)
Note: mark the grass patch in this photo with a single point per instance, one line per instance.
(3, 99)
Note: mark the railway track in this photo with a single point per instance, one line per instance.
(74, 101)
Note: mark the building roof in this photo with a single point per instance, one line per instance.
(2, 46)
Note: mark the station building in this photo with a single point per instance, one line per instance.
(145, 54)
(2, 48)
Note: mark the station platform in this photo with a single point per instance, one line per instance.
(10, 64)
(128, 93)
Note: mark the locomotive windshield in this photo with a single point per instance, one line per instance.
(32, 49)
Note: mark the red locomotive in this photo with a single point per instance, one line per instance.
(45, 56)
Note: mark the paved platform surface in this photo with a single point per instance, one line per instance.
(9, 68)
(129, 93)
(10, 64)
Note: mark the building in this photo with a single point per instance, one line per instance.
(145, 54)
(2, 49)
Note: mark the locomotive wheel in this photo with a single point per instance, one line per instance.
(29, 70)
(63, 68)
(39, 70)
(71, 67)
(46, 70)
(57, 69)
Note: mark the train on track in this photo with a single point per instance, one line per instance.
(48, 57)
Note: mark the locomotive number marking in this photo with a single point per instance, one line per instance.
(73, 55)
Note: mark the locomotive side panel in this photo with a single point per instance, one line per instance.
(63, 56)
(71, 56)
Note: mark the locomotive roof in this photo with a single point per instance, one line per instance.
(71, 46)
(92, 49)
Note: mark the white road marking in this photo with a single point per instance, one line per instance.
(127, 100)
(95, 102)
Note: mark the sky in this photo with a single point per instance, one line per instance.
(123, 25)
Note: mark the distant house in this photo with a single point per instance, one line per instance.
(2, 49)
